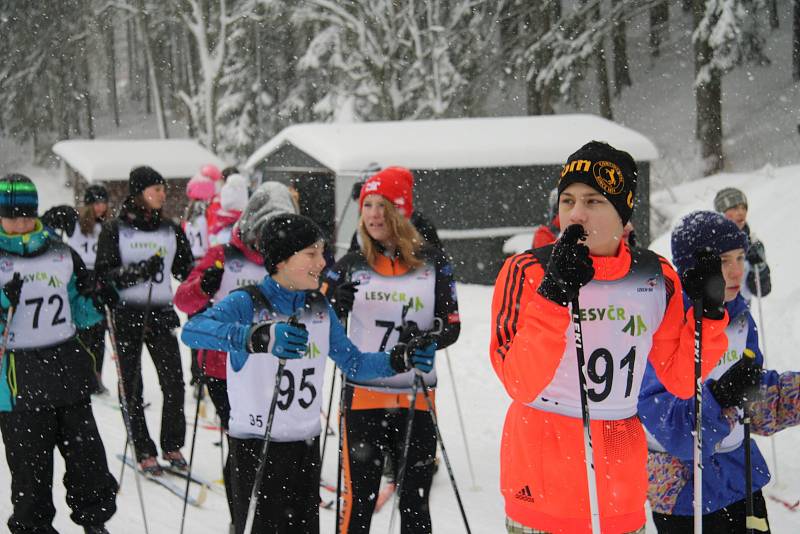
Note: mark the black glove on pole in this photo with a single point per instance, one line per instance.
(211, 280)
(569, 268)
(738, 384)
(704, 282)
(343, 297)
(13, 289)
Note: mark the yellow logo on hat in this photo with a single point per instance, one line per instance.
(609, 177)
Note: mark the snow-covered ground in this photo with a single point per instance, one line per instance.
(773, 216)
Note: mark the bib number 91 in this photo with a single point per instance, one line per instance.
(605, 378)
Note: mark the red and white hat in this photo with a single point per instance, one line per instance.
(395, 184)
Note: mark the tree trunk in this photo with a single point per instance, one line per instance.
(659, 17)
(152, 77)
(87, 95)
(133, 77)
(107, 25)
(774, 23)
(603, 89)
(708, 100)
(796, 42)
(622, 73)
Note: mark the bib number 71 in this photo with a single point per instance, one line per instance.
(606, 378)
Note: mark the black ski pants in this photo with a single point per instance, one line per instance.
(369, 435)
(163, 347)
(288, 500)
(728, 520)
(29, 438)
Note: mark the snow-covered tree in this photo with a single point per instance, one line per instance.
(210, 25)
(44, 75)
(724, 37)
(380, 59)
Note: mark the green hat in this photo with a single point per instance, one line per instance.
(18, 197)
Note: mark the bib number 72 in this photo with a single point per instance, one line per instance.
(606, 377)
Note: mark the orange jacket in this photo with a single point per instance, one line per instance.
(542, 467)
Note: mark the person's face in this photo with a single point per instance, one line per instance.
(18, 225)
(373, 213)
(155, 196)
(737, 214)
(302, 270)
(732, 272)
(100, 208)
(580, 204)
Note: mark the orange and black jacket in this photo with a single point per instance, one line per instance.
(542, 467)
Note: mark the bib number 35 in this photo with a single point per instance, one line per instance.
(602, 374)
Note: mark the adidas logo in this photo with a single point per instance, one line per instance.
(524, 494)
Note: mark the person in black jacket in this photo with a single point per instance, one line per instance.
(80, 228)
(732, 203)
(137, 251)
(395, 287)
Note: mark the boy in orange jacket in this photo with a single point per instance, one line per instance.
(631, 312)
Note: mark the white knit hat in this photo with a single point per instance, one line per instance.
(233, 195)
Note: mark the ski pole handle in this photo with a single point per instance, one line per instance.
(6, 333)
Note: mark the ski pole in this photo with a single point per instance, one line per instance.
(748, 473)
(194, 438)
(340, 466)
(328, 418)
(6, 332)
(138, 378)
(123, 405)
(262, 461)
(594, 508)
(698, 416)
(461, 420)
(401, 471)
(418, 378)
(763, 338)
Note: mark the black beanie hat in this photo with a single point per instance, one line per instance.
(95, 193)
(704, 230)
(610, 171)
(18, 197)
(284, 235)
(143, 177)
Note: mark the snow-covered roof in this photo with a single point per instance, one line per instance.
(113, 160)
(349, 148)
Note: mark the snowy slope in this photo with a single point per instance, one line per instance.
(774, 217)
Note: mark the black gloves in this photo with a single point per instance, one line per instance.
(211, 280)
(569, 268)
(738, 384)
(756, 253)
(343, 297)
(704, 281)
(62, 218)
(414, 349)
(13, 289)
(104, 295)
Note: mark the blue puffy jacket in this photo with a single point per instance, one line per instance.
(225, 327)
(670, 421)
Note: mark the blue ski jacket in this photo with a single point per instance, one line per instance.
(670, 421)
(226, 326)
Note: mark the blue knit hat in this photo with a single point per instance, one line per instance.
(704, 230)
(18, 197)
